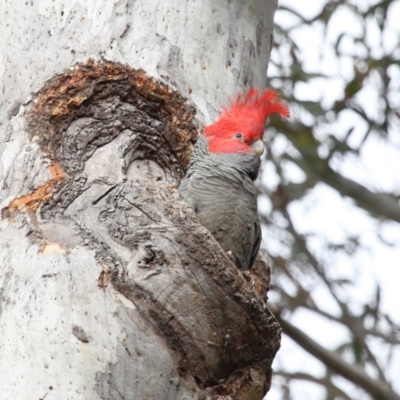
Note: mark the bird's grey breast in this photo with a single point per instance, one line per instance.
(220, 190)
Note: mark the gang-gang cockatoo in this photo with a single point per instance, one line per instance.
(219, 184)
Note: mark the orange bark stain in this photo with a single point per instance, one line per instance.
(32, 200)
(46, 249)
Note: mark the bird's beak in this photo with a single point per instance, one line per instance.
(258, 147)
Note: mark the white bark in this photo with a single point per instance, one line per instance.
(80, 273)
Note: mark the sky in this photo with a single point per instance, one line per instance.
(323, 211)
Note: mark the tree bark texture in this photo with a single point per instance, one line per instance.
(109, 287)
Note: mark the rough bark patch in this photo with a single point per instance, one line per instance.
(82, 93)
(69, 96)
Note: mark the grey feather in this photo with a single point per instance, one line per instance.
(220, 189)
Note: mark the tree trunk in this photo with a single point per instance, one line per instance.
(109, 287)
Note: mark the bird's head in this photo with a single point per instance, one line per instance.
(240, 127)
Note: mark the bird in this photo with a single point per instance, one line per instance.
(219, 183)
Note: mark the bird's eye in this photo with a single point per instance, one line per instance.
(239, 136)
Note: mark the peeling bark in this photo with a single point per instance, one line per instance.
(104, 268)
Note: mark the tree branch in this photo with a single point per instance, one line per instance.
(318, 169)
(377, 389)
(330, 386)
